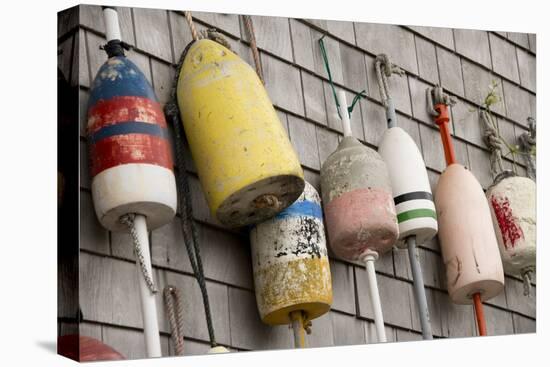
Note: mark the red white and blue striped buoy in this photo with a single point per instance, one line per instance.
(130, 156)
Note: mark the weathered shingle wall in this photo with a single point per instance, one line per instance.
(463, 61)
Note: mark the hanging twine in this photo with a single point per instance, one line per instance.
(174, 310)
(493, 141)
(528, 143)
(188, 225)
(384, 69)
(191, 24)
(331, 82)
(255, 53)
(128, 220)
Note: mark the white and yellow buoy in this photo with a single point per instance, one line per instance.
(290, 262)
(247, 167)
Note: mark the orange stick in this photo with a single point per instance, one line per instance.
(479, 315)
(443, 122)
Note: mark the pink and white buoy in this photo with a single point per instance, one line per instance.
(358, 205)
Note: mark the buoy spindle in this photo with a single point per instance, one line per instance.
(297, 318)
(480, 316)
(369, 260)
(343, 106)
(112, 28)
(419, 291)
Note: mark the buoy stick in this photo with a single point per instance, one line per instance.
(419, 291)
(369, 259)
(112, 28)
(390, 113)
(298, 328)
(480, 317)
(343, 107)
(148, 303)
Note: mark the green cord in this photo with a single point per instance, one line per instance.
(327, 67)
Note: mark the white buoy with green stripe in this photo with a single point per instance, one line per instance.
(412, 195)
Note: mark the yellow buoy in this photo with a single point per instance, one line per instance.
(246, 165)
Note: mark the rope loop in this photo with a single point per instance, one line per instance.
(128, 220)
(213, 35)
(434, 96)
(384, 69)
(174, 310)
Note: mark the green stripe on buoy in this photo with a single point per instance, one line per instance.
(416, 213)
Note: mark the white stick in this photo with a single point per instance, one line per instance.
(346, 124)
(148, 303)
(112, 28)
(375, 297)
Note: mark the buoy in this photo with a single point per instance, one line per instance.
(468, 242)
(133, 184)
(246, 165)
(513, 203)
(512, 200)
(412, 194)
(358, 205)
(291, 267)
(410, 185)
(85, 349)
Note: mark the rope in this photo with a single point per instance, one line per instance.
(128, 220)
(254, 46)
(188, 225)
(331, 82)
(214, 35)
(172, 301)
(191, 24)
(526, 276)
(384, 69)
(436, 95)
(493, 141)
(528, 143)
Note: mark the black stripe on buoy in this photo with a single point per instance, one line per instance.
(416, 195)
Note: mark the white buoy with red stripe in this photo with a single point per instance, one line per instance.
(513, 207)
(133, 184)
(512, 200)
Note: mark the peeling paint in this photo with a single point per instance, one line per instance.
(290, 262)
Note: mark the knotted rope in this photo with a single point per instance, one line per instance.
(188, 225)
(331, 82)
(255, 53)
(493, 141)
(172, 301)
(526, 275)
(528, 143)
(436, 95)
(384, 69)
(128, 220)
